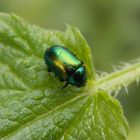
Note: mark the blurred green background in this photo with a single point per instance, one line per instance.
(111, 27)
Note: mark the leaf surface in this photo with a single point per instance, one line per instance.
(32, 104)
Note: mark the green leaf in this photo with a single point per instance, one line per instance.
(32, 104)
(135, 129)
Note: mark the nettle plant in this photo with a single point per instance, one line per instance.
(32, 104)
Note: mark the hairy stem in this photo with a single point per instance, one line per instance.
(120, 78)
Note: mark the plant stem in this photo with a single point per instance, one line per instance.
(120, 78)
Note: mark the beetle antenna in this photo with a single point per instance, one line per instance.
(65, 85)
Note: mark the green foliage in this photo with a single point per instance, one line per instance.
(135, 132)
(32, 104)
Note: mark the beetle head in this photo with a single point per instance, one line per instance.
(79, 77)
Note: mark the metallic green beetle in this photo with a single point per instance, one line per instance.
(65, 65)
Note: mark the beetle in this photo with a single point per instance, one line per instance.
(65, 65)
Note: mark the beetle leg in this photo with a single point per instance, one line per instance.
(49, 70)
(61, 79)
(65, 85)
